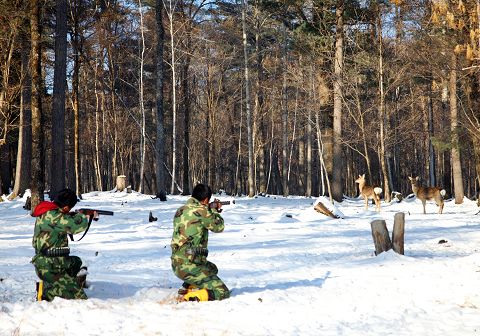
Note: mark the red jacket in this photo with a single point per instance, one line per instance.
(43, 207)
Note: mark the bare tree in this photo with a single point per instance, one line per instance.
(170, 14)
(57, 168)
(24, 152)
(140, 89)
(285, 112)
(337, 191)
(382, 115)
(74, 180)
(456, 161)
(251, 182)
(160, 132)
(37, 186)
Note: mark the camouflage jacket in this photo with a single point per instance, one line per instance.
(192, 223)
(52, 226)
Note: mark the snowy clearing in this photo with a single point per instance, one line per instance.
(301, 274)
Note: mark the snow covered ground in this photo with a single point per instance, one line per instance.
(301, 274)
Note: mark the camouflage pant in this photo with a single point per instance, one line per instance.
(200, 273)
(59, 276)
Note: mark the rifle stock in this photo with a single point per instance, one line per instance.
(90, 212)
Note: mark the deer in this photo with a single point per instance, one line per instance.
(425, 194)
(369, 192)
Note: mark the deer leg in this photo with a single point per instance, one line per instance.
(366, 202)
(424, 203)
(440, 209)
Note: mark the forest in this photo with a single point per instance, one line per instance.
(250, 97)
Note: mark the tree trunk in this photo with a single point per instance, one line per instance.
(381, 112)
(380, 235)
(97, 161)
(251, 181)
(76, 128)
(323, 167)
(476, 150)
(5, 77)
(174, 98)
(285, 115)
(71, 178)
(160, 132)
(456, 161)
(24, 152)
(364, 134)
(308, 187)
(5, 171)
(337, 190)
(186, 124)
(294, 131)
(398, 233)
(301, 166)
(57, 171)
(37, 183)
(432, 167)
(143, 137)
(259, 102)
(446, 162)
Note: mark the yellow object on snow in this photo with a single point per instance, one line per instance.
(39, 290)
(196, 295)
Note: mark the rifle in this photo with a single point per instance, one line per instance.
(91, 212)
(214, 204)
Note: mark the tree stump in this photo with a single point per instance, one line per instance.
(28, 203)
(121, 182)
(380, 235)
(398, 233)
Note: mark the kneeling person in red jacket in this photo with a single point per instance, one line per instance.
(62, 275)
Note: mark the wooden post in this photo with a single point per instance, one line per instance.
(398, 232)
(320, 207)
(121, 182)
(380, 235)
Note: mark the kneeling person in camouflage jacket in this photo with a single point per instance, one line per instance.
(189, 247)
(62, 274)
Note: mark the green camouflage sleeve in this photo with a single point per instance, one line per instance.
(51, 229)
(212, 220)
(192, 223)
(68, 223)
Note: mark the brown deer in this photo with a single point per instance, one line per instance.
(369, 192)
(428, 193)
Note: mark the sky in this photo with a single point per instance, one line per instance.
(290, 269)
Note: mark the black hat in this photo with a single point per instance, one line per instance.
(66, 197)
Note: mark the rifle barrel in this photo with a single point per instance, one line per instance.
(100, 212)
(227, 202)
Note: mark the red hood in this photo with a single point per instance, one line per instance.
(43, 207)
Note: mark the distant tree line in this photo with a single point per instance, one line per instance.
(252, 97)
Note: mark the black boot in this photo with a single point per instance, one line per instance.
(82, 277)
